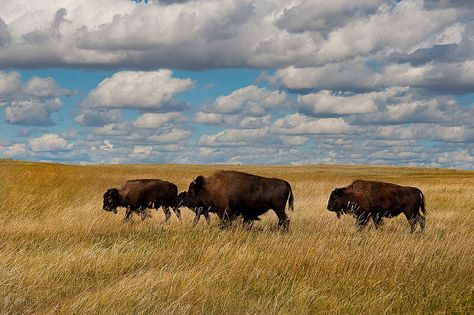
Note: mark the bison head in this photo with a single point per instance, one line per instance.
(180, 199)
(337, 202)
(111, 200)
(193, 196)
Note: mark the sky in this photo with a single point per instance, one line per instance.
(238, 81)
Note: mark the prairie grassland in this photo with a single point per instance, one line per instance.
(60, 253)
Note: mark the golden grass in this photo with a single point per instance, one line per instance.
(60, 253)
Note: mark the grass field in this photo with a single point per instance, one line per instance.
(61, 253)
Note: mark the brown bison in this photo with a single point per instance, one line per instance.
(376, 200)
(140, 194)
(231, 194)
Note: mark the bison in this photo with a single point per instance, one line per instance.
(231, 194)
(376, 200)
(140, 194)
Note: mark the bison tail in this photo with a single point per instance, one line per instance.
(422, 203)
(290, 199)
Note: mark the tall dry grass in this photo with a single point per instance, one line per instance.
(60, 253)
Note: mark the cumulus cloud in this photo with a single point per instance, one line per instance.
(9, 83)
(154, 120)
(15, 150)
(209, 34)
(146, 90)
(98, 117)
(44, 88)
(326, 102)
(5, 37)
(113, 129)
(455, 78)
(107, 146)
(30, 103)
(255, 122)
(428, 132)
(366, 35)
(171, 136)
(145, 150)
(297, 124)
(48, 142)
(32, 112)
(413, 111)
(323, 16)
(246, 107)
(294, 140)
(234, 137)
(211, 118)
(251, 100)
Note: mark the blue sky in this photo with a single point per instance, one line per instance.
(254, 82)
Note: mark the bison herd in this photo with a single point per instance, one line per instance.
(232, 194)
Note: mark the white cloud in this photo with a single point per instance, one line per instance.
(294, 140)
(171, 136)
(153, 90)
(48, 142)
(32, 112)
(210, 118)
(153, 120)
(98, 117)
(9, 83)
(297, 124)
(326, 102)
(246, 107)
(107, 146)
(14, 150)
(209, 34)
(455, 77)
(255, 122)
(457, 157)
(428, 132)
(113, 129)
(250, 100)
(234, 137)
(323, 16)
(44, 87)
(368, 34)
(29, 103)
(145, 150)
(354, 74)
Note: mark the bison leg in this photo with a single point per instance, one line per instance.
(422, 221)
(206, 215)
(377, 219)
(144, 213)
(167, 212)
(177, 212)
(412, 219)
(196, 219)
(283, 220)
(247, 223)
(226, 219)
(413, 222)
(208, 218)
(362, 220)
(198, 211)
(128, 214)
